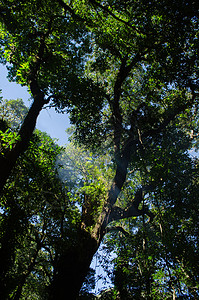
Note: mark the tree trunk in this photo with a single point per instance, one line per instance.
(73, 264)
(8, 160)
(72, 268)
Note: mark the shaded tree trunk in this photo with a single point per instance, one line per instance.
(8, 160)
(72, 268)
(73, 264)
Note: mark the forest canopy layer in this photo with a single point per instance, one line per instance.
(126, 73)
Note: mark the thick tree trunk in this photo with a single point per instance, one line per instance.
(72, 268)
(8, 160)
(73, 265)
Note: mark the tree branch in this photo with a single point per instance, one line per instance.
(117, 229)
(107, 10)
(118, 213)
(67, 8)
(121, 160)
(169, 116)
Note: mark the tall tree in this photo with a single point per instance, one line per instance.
(33, 189)
(136, 90)
(45, 48)
(155, 259)
(145, 58)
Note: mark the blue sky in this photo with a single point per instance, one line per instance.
(49, 121)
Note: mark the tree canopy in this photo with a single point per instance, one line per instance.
(126, 72)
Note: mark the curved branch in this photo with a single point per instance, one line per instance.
(117, 228)
(118, 213)
(123, 73)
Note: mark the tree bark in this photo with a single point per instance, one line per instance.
(72, 267)
(73, 264)
(8, 160)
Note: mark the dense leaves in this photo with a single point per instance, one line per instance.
(127, 74)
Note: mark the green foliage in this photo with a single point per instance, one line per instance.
(90, 176)
(156, 259)
(8, 139)
(31, 210)
(127, 73)
(40, 40)
(164, 70)
(13, 112)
